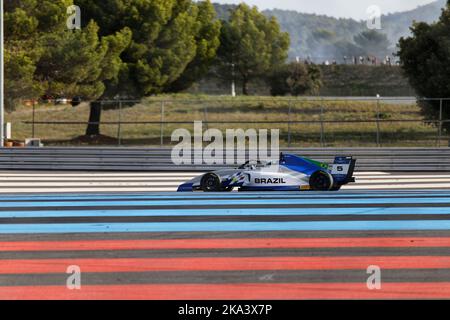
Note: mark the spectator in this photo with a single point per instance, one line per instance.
(388, 61)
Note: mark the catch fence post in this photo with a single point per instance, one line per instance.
(33, 125)
(378, 122)
(205, 111)
(440, 121)
(289, 124)
(322, 128)
(119, 129)
(162, 123)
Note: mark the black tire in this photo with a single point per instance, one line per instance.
(321, 181)
(211, 183)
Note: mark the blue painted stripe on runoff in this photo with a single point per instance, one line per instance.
(212, 203)
(228, 212)
(68, 209)
(225, 227)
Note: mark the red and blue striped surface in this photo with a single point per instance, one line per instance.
(226, 246)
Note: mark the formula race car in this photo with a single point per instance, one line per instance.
(292, 173)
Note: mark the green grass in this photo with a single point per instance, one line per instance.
(190, 108)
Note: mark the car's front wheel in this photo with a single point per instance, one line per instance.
(321, 181)
(211, 183)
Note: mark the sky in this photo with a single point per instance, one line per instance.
(355, 9)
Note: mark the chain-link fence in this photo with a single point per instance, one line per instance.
(305, 122)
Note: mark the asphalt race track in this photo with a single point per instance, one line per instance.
(226, 246)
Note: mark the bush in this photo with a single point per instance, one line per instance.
(295, 79)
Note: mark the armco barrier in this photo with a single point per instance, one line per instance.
(144, 159)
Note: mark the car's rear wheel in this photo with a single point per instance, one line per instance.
(211, 183)
(321, 181)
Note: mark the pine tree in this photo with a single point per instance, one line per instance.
(44, 57)
(169, 46)
(252, 43)
(425, 58)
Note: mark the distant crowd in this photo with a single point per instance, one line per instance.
(354, 60)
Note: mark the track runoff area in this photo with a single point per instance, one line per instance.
(120, 236)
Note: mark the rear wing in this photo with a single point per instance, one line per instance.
(342, 170)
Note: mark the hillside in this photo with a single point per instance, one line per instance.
(327, 38)
(338, 80)
(397, 24)
(348, 80)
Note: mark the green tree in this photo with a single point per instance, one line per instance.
(168, 42)
(296, 79)
(25, 22)
(208, 40)
(425, 58)
(165, 39)
(59, 62)
(77, 63)
(20, 67)
(251, 43)
(25, 19)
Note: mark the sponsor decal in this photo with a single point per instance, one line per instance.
(270, 181)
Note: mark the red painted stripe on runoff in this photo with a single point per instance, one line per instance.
(222, 264)
(233, 291)
(288, 243)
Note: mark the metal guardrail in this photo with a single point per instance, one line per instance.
(144, 159)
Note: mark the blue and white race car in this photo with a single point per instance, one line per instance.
(292, 173)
